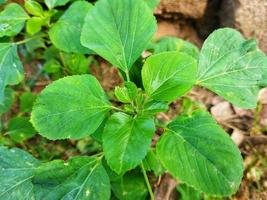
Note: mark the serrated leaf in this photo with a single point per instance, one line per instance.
(126, 93)
(78, 178)
(54, 3)
(152, 163)
(126, 140)
(169, 43)
(119, 30)
(66, 32)
(198, 152)
(232, 67)
(16, 172)
(131, 186)
(71, 107)
(12, 20)
(20, 129)
(167, 76)
(11, 69)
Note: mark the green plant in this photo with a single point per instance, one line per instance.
(192, 147)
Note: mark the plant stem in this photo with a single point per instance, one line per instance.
(147, 182)
(27, 40)
(127, 75)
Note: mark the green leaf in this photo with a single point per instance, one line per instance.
(8, 101)
(76, 63)
(167, 76)
(152, 3)
(16, 172)
(126, 141)
(232, 67)
(34, 25)
(78, 178)
(20, 129)
(66, 33)
(71, 107)
(34, 44)
(52, 66)
(188, 193)
(152, 163)
(54, 3)
(130, 187)
(26, 101)
(126, 93)
(12, 20)
(175, 44)
(11, 69)
(198, 152)
(34, 8)
(154, 107)
(119, 30)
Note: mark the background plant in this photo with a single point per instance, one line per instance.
(192, 147)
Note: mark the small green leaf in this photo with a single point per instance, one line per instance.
(34, 44)
(126, 141)
(131, 186)
(154, 107)
(152, 163)
(71, 107)
(11, 69)
(16, 172)
(34, 25)
(78, 178)
(126, 93)
(76, 63)
(12, 20)
(167, 76)
(66, 32)
(8, 101)
(175, 44)
(188, 193)
(26, 101)
(52, 66)
(54, 3)
(119, 30)
(34, 8)
(198, 152)
(232, 67)
(20, 129)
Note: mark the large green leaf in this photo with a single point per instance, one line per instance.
(79, 178)
(11, 69)
(66, 32)
(16, 172)
(168, 75)
(232, 67)
(54, 3)
(195, 150)
(12, 20)
(71, 107)
(126, 141)
(119, 30)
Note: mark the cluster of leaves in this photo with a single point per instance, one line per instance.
(192, 147)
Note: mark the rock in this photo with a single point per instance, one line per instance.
(222, 111)
(248, 16)
(237, 136)
(262, 98)
(188, 8)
